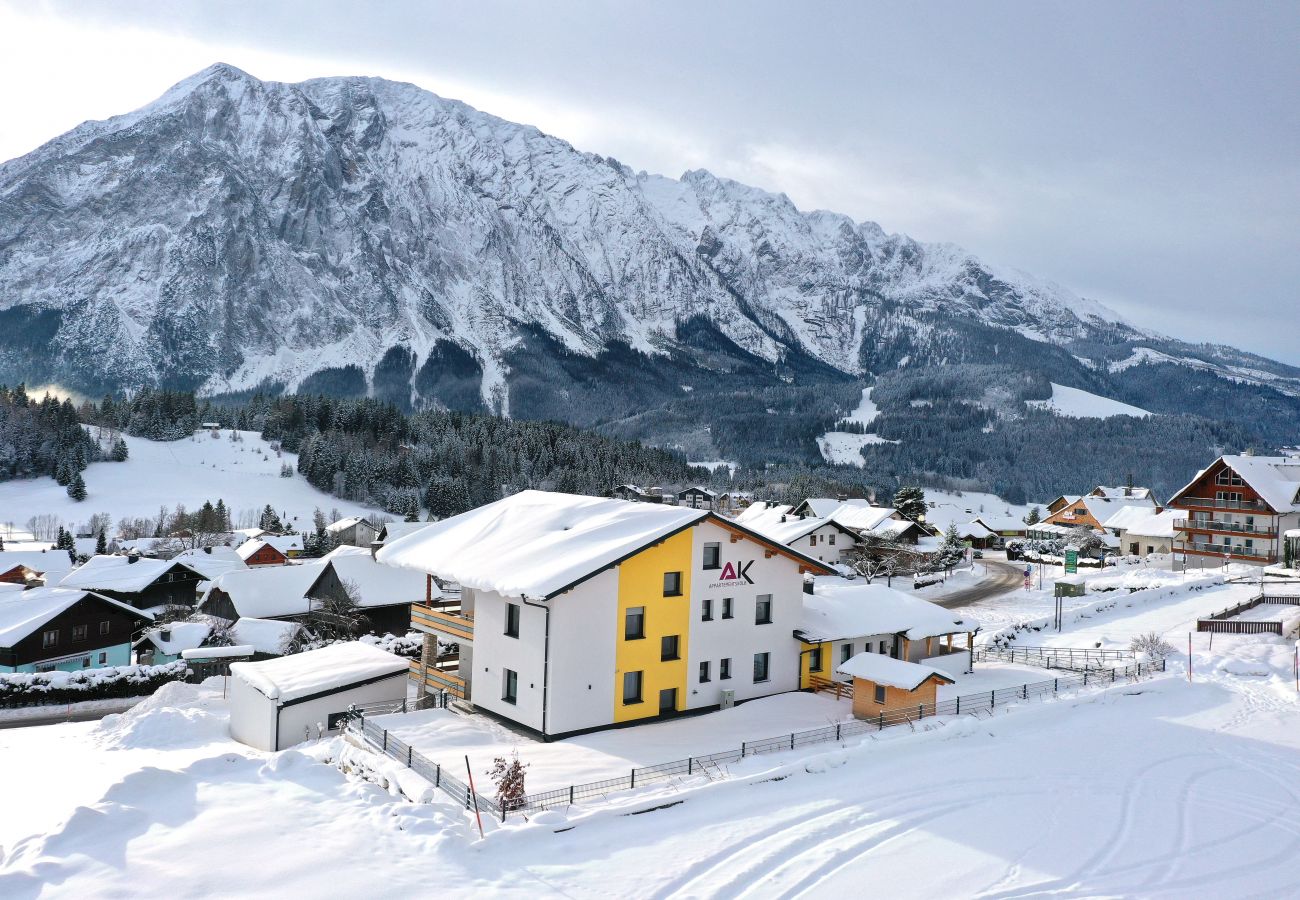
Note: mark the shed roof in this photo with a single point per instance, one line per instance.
(838, 609)
(890, 672)
(333, 668)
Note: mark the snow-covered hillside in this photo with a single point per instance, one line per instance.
(244, 473)
(845, 447)
(1080, 404)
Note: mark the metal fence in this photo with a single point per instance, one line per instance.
(708, 765)
(1075, 659)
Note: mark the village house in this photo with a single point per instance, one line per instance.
(823, 539)
(353, 531)
(843, 619)
(1141, 532)
(580, 613)
(1238, 510)
(882, 685)
(61, 629)
(1092, 509)
(391, 531)
(697, 498)
(263, 592)
(137, 581)
(261, 552)
(1003, 527)
(47, 566)
(21, 575)
(383, 593)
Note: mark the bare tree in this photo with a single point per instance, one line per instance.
(44, 526)
(878, 557)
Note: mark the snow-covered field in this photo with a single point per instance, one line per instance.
(1079, 404)
(1162, 788)
(845, 447)
(963, 506)
(246, 474)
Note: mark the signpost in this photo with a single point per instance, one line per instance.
(1071, 562)
(1029, 581)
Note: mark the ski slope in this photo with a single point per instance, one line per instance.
(244, 473)
(1077, 404)
(844, 447)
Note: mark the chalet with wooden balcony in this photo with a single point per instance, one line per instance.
(1238, 509)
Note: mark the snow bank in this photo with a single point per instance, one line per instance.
(177, 715)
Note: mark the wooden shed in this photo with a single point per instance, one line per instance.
(882, 684)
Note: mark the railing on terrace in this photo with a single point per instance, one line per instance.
(708, 765)
(1214, 503)
(1221, 525)
(443, 621)
(438, 680)
(1229, 549)
(1225, 622)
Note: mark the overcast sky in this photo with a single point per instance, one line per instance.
(1145, 154)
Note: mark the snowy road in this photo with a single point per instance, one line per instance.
(1000, 578)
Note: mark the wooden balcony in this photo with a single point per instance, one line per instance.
(447, 621)
(1212, 503)
(438, 680)
(1234, 551)
(1219, 525)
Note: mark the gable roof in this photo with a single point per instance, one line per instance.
(376, 584)
(346, 523)
(1145, 523)
(119, 573)
(263, 635)
(1122, 491)
(1275, 478)
(268, 592)
(839, 609)
(793, 528)
(54, 563)
(23, 612)
(210, 565)
(1000, 522)
(861, 516)
(890, 672)
(540, 544)
(391, 531)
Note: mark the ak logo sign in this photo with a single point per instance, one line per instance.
(733, 572)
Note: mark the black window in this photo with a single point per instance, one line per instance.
(704, 672)
(512, 620)
(831, 539)
(846, 653)
(50, 638)
(631, 687)
(713, 556)
(672, 584)
(726, 607)
(79, 632)
(104, 627)
(884, 648)
(509, 685)
(85, 662)
(815, 660)
(880, 693)
(724, 669)
(333, 720)
(668, 648)
(762, 666)
(103, 658)
(763, 610)
(634, 624)
(706, 609)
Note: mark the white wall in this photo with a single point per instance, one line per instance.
(858, 645)
(295, 720)
(821, 549)
(494, 652)
(953, 663)
(252, 715)
(740, 638)
(584, 637)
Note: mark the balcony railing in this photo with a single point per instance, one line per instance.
(1228, 549)
(439, 680)
(1214, 503)
(1222, 525)
(451, 622)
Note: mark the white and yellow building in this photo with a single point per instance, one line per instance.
(578, 613)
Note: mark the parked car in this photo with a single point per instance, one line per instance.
(978, 554)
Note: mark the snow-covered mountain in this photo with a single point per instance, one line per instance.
(368, 234)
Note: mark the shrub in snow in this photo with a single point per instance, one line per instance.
(1150, 647)
(508, 777)
(28, 689)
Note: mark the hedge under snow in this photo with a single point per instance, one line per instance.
(24, 689)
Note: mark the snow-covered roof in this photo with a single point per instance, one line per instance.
(376, 583)
(263, 635)
(211, 564)
(22, 613)
(861, 516)
(792, 528)
(119, 573)
(702, 490)
(344, 524)
(757, 514)
(282, 542)
(998, 523)
(822, 507)
(394, 530)
(973, 530)
(336, 667)
(890, 672)
(181, 636)
(839, 609)
(246, 550)
(536, 543)
(1144, 522)
(267, 592)
(1122, 492)
(54, 563)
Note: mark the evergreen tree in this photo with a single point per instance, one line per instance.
(1034, 517)
(101, 544)
(910, 503)
(119, 451)
(222, 515)
(77, 488)
(270, 521)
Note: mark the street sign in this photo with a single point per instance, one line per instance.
(1071, 562)
(1028, 577)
